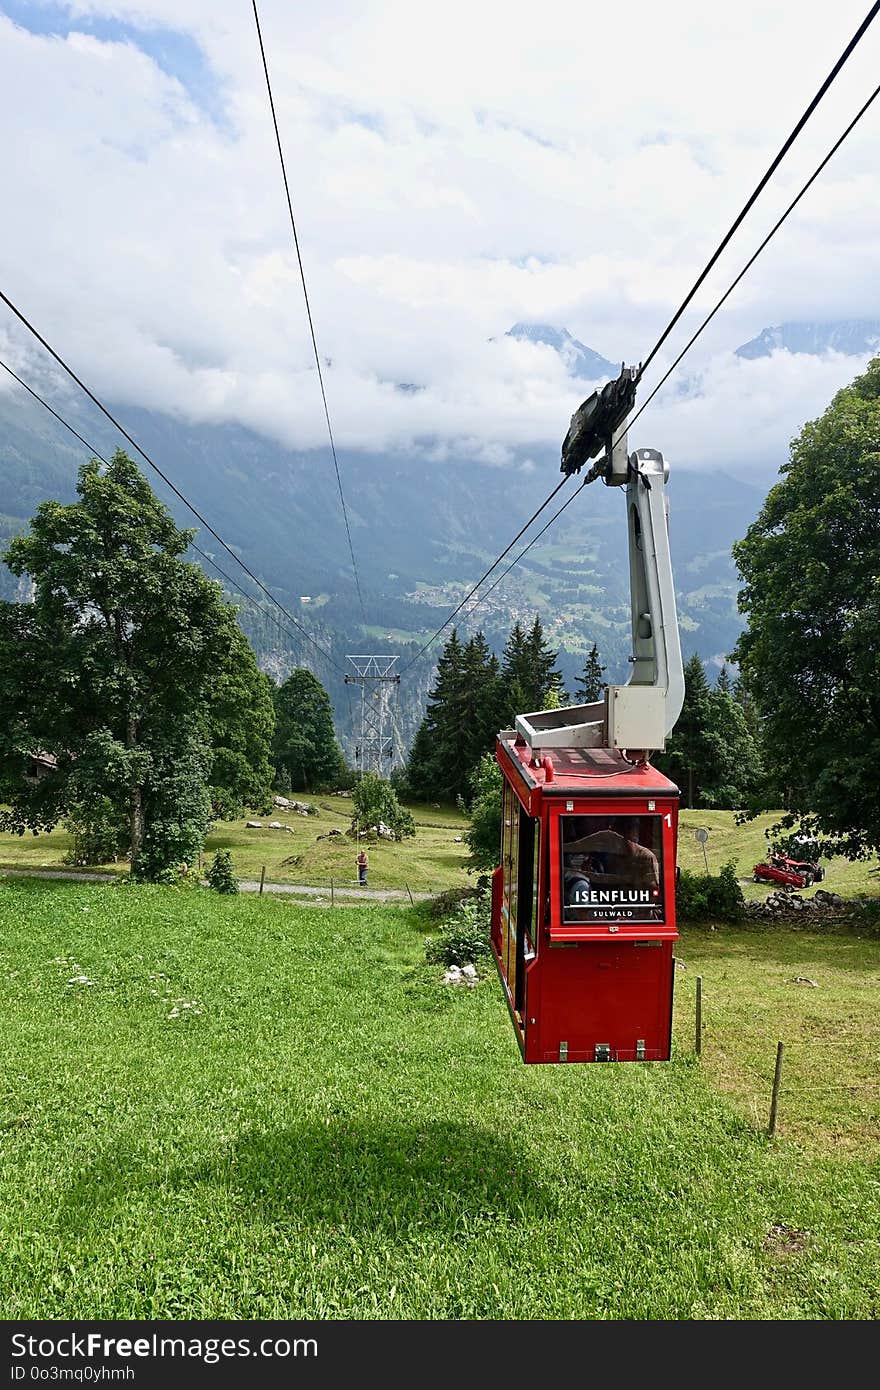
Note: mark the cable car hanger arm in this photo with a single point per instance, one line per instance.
(639, 715)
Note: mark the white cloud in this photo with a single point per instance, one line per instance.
(453, 169)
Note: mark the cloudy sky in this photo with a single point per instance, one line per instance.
(454, 168)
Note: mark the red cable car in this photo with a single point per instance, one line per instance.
(583, 902)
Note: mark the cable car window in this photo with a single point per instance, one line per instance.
(506, 819)
(612, 868)
(536, 871)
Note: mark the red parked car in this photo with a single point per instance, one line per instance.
(812, 873)
(777, 872)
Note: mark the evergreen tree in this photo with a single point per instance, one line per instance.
(305, 740)
(589, 685)
(466, 708)
(738, 770)
(711, 752)
(528, 672)
(693, 753)
(481, 705)
(515, 676)
(724, 683)
(541, 673)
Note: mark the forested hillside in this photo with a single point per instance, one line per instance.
(423, 531)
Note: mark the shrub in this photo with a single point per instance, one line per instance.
(484, 836)
(225, 805)
(709, 897)
(99, 832)
(221, 876)
(178, 876)
(464, 936)
(374, 801)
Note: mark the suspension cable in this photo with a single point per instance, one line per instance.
(302, 274)
(596, 470)
(95, 454)
(155, 467)
(774, 165)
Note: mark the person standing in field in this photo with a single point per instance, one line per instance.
(362, 863)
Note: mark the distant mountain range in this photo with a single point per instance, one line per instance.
(853, 337)
(580, 361)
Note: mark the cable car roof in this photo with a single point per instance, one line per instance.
(579, 771)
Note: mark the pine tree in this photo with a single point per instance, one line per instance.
(542, 675)
(712, 752)
(480, 704)
(589, 686)
(692, 754)
(738, 771)
(515, 675)
(435, 769)
(724, 683)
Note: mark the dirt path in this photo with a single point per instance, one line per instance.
(304, 890)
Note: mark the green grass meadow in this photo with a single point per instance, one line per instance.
(248, 1108)
(433, 861)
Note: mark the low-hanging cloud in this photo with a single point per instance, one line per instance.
(452, 173)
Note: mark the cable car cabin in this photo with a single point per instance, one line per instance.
(583, 904)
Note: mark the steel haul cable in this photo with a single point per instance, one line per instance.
(309, 308)
(146, 457)
(95, 454)
(596, 471)
(774, 165)
(590, 477)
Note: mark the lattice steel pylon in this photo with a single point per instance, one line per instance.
(376, 676)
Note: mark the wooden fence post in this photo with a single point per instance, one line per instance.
(698, 1032)
(774, 1102)
(262, 877)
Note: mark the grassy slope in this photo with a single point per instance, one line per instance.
(335, 1133)
(747, 845)
(432, 861)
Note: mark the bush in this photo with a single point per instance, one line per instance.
(221, 876)
(99, 832)
(464, 937)
(225, 805)
(178, 876)
(484, 836)
(374, 801)
(709, 897)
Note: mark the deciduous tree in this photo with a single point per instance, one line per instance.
(810, 655)
(111, 668)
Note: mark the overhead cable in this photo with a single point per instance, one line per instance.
(472, 591)
(774, 165)
(95, 454)
(751, 261)
(302, 274)
(597, 471)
